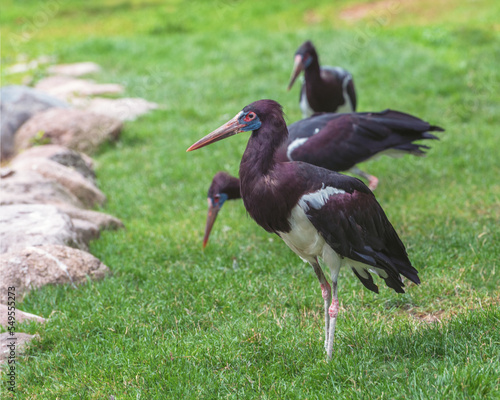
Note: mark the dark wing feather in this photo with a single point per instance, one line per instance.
(368, 282)
(335, 77)
(324, 92)
(355, 226)
(307, 127)
(340, 141)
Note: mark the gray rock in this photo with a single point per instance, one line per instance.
(102, 220)
(76, 161)
(86, 230)
(29, 187)
(124, 109)
(34, 267)
(80, 162)
(20, 316)
(76, 129)
(17, 105)
(75, 69)
(22, 339)
(83, 189)
(26, 225)
(65, 88)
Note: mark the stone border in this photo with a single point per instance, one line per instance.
(48, 188)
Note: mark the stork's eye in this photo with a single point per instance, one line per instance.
(249, 116)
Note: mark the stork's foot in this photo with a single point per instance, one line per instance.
(372, 182)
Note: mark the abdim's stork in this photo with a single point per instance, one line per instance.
(337, 142)
(317, 212)
(223, 187)
(341, 141)
(325, 89)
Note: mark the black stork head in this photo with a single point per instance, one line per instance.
(257, 114)
(305, 56)
(264, 118)
(245, 120)
(224, 187)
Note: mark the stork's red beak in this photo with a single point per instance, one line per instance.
(230, 128)
(211, 216)
(298, 67)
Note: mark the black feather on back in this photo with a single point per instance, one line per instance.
(340, 141)
(355, 226)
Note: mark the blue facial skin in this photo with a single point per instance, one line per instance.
(250, 125)
(306, 60)
(218, 200)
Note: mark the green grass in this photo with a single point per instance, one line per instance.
(243, 319)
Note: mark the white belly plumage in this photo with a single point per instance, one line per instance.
(305, 240)
(306, 109)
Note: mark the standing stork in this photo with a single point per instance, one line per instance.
(317, 212)
(325, 89)
(337, 142)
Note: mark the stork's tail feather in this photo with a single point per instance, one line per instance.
(436, 129)
(395, 130)
(418, 150)
(393, 267)
(367, 282)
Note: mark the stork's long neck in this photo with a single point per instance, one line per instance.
(259, 157)
(312, 73)
(261, 189)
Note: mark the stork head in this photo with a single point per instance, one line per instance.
(251, 118)
(265, 119)
(245, 120)
(224, 187)
(304, 56)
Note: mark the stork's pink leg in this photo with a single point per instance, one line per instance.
(372, 180)
(333, 311)
(326, 293)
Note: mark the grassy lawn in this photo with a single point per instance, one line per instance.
(244, 318)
